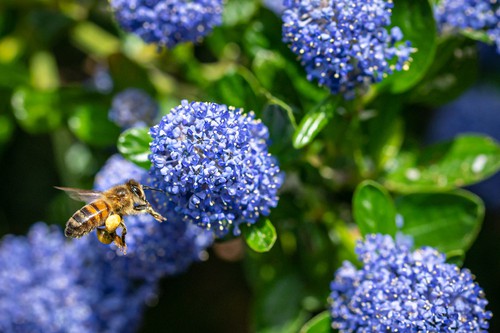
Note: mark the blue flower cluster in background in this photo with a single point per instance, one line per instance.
(345, 44)
(400, 290)
(154, 249)
(168, 22)
(133, 108)
(59, 286)
(214, 164)
(453, 15)
(56, 285)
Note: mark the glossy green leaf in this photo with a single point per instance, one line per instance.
(386, 131)
(133, 144)
(373, 209)
(278, 305)
(463, 161)
(321, 323)
(36, 111)
(90, 124)
(314, 121)
(261, 236)
(477, 35)
(416, 21)
(447, 221)
(453, 70)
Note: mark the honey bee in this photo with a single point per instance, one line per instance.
(105, 211)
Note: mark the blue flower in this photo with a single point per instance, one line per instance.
(345, 44)
(39, 289)
(276, 6)
(133, 108)
(453, 15)
(48, 284)
(214, 165)
(398, 290)
(153, 249)
(168, 22)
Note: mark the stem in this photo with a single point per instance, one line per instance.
(260, 90)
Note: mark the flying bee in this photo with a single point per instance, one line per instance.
(106, 210)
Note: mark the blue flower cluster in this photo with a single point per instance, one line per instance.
(50, 285)
(214, 165)
(168, 22)
(55, 285)
(398, 290)
(344, 44)
(133, 108)
(153, 249)
(452, 15)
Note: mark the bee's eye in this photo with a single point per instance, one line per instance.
(136, 191)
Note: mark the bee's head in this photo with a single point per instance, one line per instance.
(136, 189)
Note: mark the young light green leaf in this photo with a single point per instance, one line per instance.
(463, 161)
(447, 221)
(261, 236)
(133, 144)
(314, 121)
(374, 209)
(321, 323)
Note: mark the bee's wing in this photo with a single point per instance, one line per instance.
(81, 195)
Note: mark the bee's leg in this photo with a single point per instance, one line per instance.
(104, 236)
(148, 209)
(120, 242)
(112, 222)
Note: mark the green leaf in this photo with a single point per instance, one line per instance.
(321, 323)
(374, 209)
(44, 72)
(13, 75)
(90, 124)
(278, 305)
(127, 74)
(261, 236)
(36, 111)
(453, 70)
(133, 144)
(478, 35)
(94, 40)
(416, 20)
(314, 121)
(463, 161)
(448, 221)
(238, 11)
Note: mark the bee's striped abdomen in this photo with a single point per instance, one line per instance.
(88, 218)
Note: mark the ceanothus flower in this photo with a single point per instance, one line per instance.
(344, 44)
(153, 249)
(214, 165)
(168, 22)
(39, 289)
(399, 290)
(133, 108)
(453, 15)
(49, 284)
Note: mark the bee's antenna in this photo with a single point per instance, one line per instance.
(152, 188)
